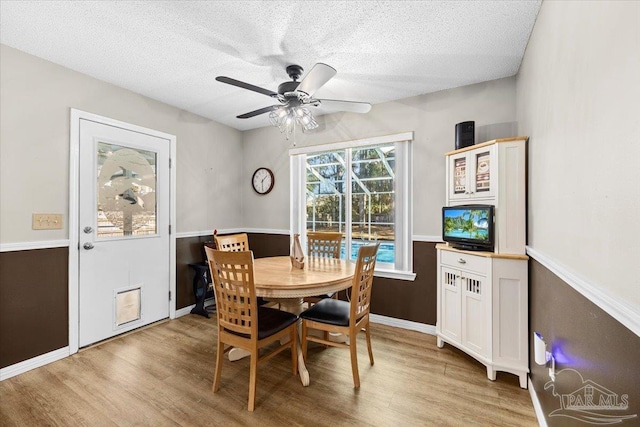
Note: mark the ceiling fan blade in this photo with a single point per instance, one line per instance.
(349, 106)
(316, 78)
(258, 112)
(243, 85)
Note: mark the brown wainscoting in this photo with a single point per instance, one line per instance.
(189, 250)
(34, 303)
(264, 245)
(583, 337)
(414, 301)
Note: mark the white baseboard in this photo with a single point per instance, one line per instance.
(44, 359)
(34, 362)
(536, 404)
(184, 311)
(403, 324)
(375, 318)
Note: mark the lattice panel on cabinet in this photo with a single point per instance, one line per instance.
(473, 286)
(450, 279)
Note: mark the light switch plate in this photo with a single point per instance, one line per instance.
(47, 221)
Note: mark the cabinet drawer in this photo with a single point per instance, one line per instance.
(462, 261)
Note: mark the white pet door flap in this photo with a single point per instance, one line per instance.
(127, 306)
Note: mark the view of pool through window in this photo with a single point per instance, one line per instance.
(386, 251)
(352, 191)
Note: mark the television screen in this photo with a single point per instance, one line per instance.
(469, 226)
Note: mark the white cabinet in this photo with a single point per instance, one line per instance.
(493, 173)
(483, 296)
(482, 308)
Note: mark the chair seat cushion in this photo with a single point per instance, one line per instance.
(330, 311)
(270, 321)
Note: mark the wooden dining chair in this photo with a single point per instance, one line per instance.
(349, 318)
(242, 322)
(323, 245)
(236, 243)
(232, 242)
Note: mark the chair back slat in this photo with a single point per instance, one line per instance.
(232, 242)
(234, 289)
(362, 282)
(324, 244)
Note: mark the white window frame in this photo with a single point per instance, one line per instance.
(403, 268)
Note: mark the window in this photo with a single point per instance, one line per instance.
(361, 189)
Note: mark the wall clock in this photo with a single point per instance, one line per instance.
(262, 180)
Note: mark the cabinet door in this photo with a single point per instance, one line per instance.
(458, 176)
(473, 174)
(450, 303)
(475, 315)
(482, 173)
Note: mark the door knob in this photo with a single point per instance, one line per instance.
(88, 246)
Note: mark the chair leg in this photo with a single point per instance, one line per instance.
(303, 344)
(354, 360)
(294, 350)
(219, 360)
(253, 373)
(368, 335)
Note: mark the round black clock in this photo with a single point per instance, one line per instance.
(262, 181)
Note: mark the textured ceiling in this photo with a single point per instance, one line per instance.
(173, 50)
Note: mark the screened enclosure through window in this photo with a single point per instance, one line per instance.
(361, 191)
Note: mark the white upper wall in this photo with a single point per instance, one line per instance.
(431, 117)
(35, 100)
(578, 95)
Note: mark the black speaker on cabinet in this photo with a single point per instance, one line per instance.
(465, 134)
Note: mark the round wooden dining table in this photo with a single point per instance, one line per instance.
(278, 281)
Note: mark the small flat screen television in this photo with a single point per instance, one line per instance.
(469, 227)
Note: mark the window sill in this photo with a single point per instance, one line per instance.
(395, 274)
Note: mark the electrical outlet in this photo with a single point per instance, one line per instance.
(47, 222)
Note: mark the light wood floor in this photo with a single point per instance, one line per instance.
(162, 376)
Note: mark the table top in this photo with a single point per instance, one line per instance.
(276, 277)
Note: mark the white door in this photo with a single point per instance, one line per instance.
(124, 231)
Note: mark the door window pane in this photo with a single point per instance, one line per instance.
(126, 193)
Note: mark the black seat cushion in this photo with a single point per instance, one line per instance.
(270, 321)
(330, 311)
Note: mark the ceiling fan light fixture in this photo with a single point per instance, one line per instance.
(285, 118)
(295, 96)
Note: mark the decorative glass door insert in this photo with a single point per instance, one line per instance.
(126, 196)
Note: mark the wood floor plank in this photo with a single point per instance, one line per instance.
(162, 376)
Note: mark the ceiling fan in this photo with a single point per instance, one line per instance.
(295, 96)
